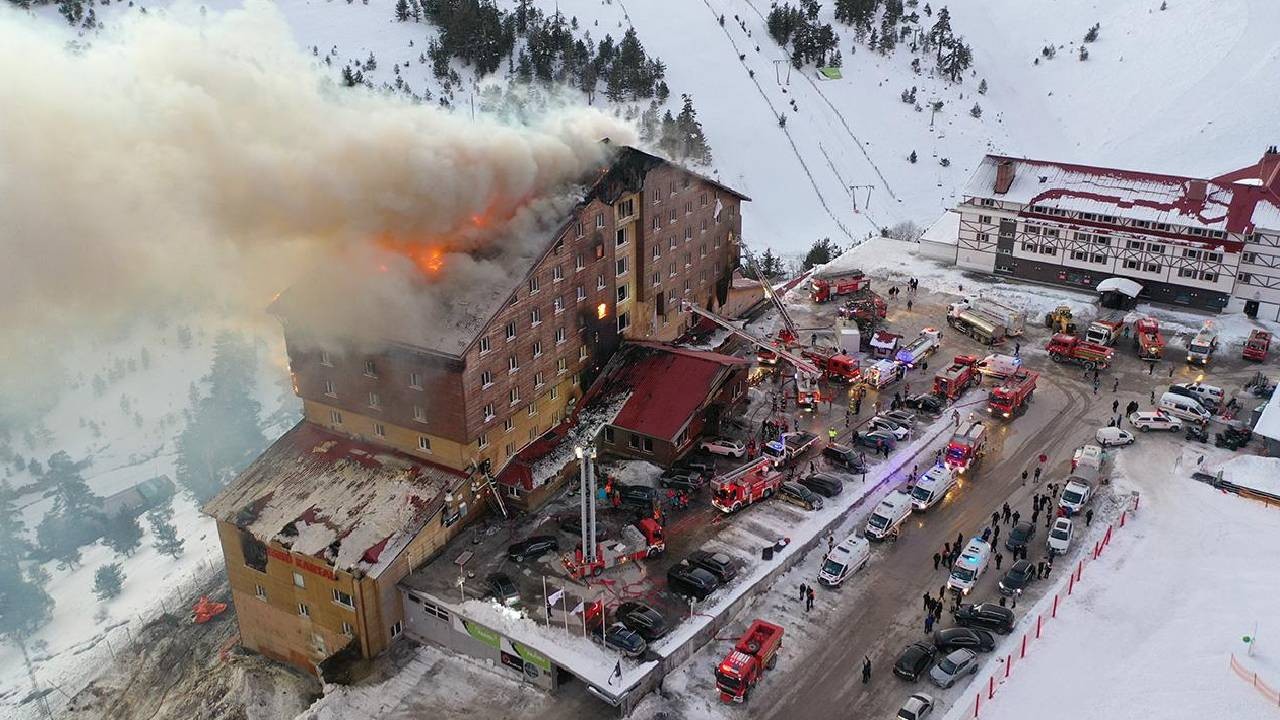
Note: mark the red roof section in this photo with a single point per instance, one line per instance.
(668, 385)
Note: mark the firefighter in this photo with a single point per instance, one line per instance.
(832, 433)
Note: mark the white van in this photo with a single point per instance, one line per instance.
(888, 515)
(970, 565)
(934, 485)
(1000, 366)
(844, 560)
(1087, 456)
(1184, 407)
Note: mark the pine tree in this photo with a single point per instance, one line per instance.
(107, 581)
(819, 253)
(976, 110)
(402, 10)
(940, 34)
(13, 529)
(24, 604)
(165, 536)
(912, 157)
(982, 87)
(695, 144)
(1084, 53)
(670, 143)
(123, 533)
(1092, 34)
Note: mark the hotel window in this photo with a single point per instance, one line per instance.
(1209, 277)
(581, 294)
(985, 219)
(484, 345)
(374, 400)
(330, 389)
(335, 417)
(598, 248)
(557, 273)
(655, 279)
(482, 441)
(672, 244)
(1186, 273)
(1099, 259)
(671, 270)
(511, 331)
(558, 304)
(622, 293)
(560, 335)
(685, 182)
(486, 378)
(508, 425)
(419, 414)
(303, 610)
(620, 237)
(513, 363)
(397, 627)
(1244, 278)
(657, 250)
(533, 433)
(379, 429)
(579, 261)
(688, 208)
(370, 369)
(555, 393)
(298, 580)
(1152, 268)
(1193, 254)
(539, 379)
(424, 443)
(1247, 257)
(1032, 229)
(415, 380)
(513, 395)
(599, 220)
(347, 629)
(534, 284)
(621, 266)
(488, 412)
(562, 365)
(657, 223)
(627, 208)
(582, 352)
(702, 199)
(537, 348)
(531, 411)
(343, 599)
(260, 591)
(673, 187)
(510, 449)
(1213, 257)
(985, 237)
(600, 282)
(671, 216)
(702, 250)
(559, 248)
(704, 225)
(325, 359)
(1159, 249)
(577, 228)
(535, 316)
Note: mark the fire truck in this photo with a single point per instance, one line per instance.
(1104, 332)
(1201, 348)
(1012, 395)
(1256, 347)
(1071, 349)
(827, 284)
(922, 347)
(750, 483)
(837, 366)
(960, 375)
(642, 540)
(967, 446)
(1147, 339)
(865, 309)
(755, 652)
(807, 374)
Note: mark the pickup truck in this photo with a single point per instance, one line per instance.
(790, 446)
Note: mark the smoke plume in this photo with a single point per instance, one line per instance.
(178, 155)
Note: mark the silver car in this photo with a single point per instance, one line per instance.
(950, 668)
(917, 707)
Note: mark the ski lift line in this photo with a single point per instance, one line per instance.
(847, 187)
(822, 200)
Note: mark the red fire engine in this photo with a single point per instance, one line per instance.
(1069, 348)
(967, 446)
(639, 541)
(837, 366)
(957, 377)
(750, 483)
(830, 283)
(1255, 348)
(1147, 339)
(1013, 394)
(755, 652)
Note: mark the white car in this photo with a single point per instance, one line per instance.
(1075, 496)
(900, 432)
(1060, 536)
(1113, 437)
(724, 446)
(917, 707)
(1156, 420)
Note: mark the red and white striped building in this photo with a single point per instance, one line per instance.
(1203, 243)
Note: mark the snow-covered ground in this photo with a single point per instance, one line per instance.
(1150, 630)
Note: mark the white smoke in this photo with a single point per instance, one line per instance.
(178, 155)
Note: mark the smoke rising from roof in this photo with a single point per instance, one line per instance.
(179, 155)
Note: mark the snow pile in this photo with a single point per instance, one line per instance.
(1151, 629)
(1252, 471)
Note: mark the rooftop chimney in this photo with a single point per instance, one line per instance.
(1004, 176)
(1196, 191)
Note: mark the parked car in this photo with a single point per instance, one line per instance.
(1020, 536)
(572, 524)
(690, 581)
(683, 480)
(626, 641)
(926, 402)
(956, 664)
(913, 661)
(1017, 578)
(502, 589)
(642, 619)
(1210, 396)
(640, 496)
(900, 432)
(718, 564)
(876, 438)
(1113, 437)
(825, 484)
(532, 548)
(956, 638)
(986, 616)
(799, 495)
(917, 707)
(902, 417)
(844, 457)
(695, 467)
(1155, 420)
(724, 446)
(1060, 536)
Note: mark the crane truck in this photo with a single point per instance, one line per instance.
(1147, 339)
(748, 484)
(1071, 349)
(639, 541)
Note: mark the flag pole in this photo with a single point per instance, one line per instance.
(545, 607)
(565, 599)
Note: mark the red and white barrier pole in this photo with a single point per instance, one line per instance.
(1079, 570)
(977, 704)
(1024, 646)
(1122, 514)
(1038, 619)
(1136, 497)
(1071, 586)
(1008, 664)
(1055, 605)
(991, 687)
(1096, 548)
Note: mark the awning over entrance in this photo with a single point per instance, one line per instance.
(1124, 286)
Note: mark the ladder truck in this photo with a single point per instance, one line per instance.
(746, 485)
(807, 374)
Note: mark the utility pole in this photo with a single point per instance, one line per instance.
(776, 76)
(853, 193)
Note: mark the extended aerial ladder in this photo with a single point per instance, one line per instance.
(787, 334)
(807, 374)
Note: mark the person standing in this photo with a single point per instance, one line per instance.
(927, 600)
(995, 535)
(1115, 387)
(1005, 513)
(1037, 473)
(803, 591)
(928, 618)
(808, 603)
(1115, 405)
(1016, 516)
(995, 519)
(999, 559)
(866, 669)
(1088, 518)
(1024, 477)
(936, 559)
(1170, 370)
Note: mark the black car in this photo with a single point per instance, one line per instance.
(845, 457)
(689, 581)
(1020, 536)
(824, 484)
(683, 480)
(926, 402)
(693, 466)
(717, 564)
(628, 642)
(1018, 577)
(532, 548)
(987, 616)
(957, 638)
(572, 524)
(875, 438)
(913, 661)
(502, 588)
(642, 619)
(640, 496)
(799, 495)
